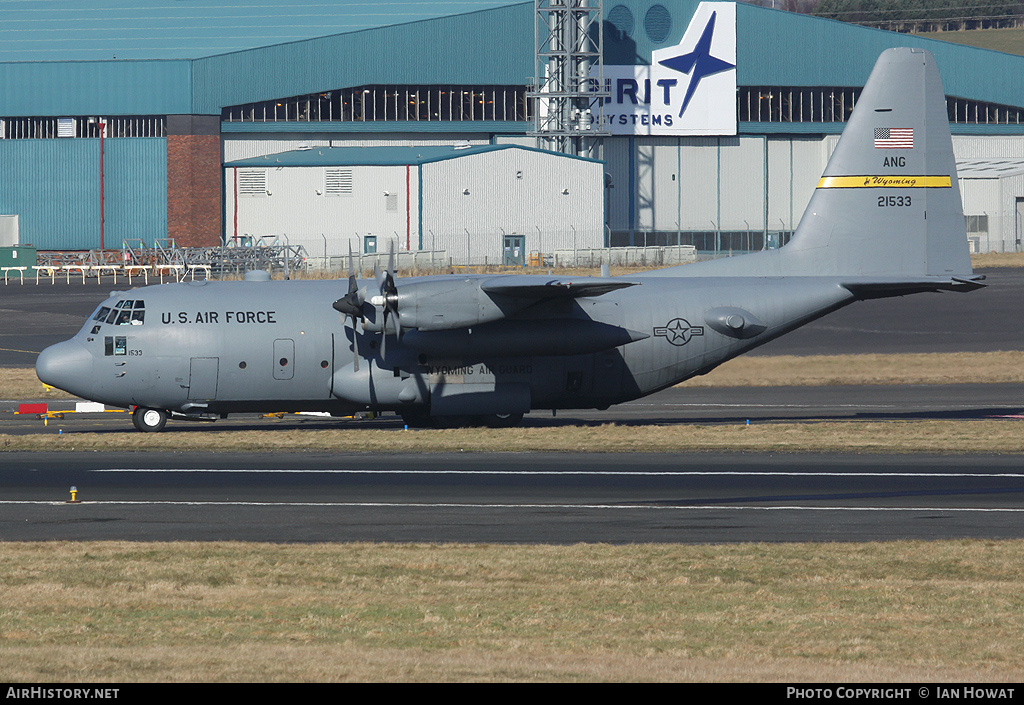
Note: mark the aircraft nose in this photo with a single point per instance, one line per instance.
(66, 365)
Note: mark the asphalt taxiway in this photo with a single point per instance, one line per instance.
(521, 498)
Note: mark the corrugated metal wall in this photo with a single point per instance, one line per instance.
(99, 88)
(996, 199)
(463, 49)
(512, 191)
(54, 186)
(299, 208)
(712, 183)
(782, 48)
(136, 189)
(238, 147)
(486, 47)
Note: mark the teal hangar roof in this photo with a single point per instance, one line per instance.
(382, 156)
(88, 30)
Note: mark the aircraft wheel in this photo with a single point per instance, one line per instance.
(149, 420)
(414, 419)
(503, 420)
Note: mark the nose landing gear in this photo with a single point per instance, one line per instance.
(149, 420)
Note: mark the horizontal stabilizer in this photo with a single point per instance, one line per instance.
(541, 287)
(880, 288)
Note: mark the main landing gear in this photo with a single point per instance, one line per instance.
(149, 420)
(422, 420)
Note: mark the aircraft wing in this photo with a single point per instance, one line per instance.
(532, 286)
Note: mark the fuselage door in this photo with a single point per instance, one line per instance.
(284, 358)
(202, 381)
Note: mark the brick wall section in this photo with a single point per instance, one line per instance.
(194, 178)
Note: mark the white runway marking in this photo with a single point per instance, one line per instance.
(595, 473)
(472, 505)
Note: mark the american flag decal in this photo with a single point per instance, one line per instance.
(894, 138)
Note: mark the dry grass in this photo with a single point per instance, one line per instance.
(125, 612)
(998, 259)
(22, 383)
(1008, 39)
(944, 436)
(910, 368)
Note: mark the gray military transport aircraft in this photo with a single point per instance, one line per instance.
(884, 220)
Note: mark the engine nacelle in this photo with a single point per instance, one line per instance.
(450, 304)
(373, 386)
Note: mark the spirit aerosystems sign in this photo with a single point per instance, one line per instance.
(688, 89)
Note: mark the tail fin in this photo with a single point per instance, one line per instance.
(888, 204)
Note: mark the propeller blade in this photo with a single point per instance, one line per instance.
(355, 346)
(351, 305)
(389, 296)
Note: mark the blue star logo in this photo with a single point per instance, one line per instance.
(698, 63)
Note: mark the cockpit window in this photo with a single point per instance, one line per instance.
(129, 312)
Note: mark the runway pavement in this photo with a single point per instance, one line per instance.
(549, 498)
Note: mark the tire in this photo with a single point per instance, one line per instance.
(417, 419)
(149, 420)
(503, 420)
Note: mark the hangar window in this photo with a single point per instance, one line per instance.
(782, 104)
(820, 104)
(374, 103)
(976, 224)
(14, 128)
(973, 112)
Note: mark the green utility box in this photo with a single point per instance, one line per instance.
(17, 256)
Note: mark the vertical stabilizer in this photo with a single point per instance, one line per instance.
(888, 204)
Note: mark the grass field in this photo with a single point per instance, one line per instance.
(1010, 40)
(919, 436)
(126, 612)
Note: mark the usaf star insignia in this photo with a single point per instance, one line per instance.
(678, 331)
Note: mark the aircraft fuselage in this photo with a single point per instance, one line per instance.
(223, 347)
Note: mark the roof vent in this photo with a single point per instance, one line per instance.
(622, 19)
(657, 23)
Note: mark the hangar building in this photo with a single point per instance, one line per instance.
(95, 152)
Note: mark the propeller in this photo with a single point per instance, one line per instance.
(351, 306)
(388, 298)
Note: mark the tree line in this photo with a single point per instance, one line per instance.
(905, 10)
